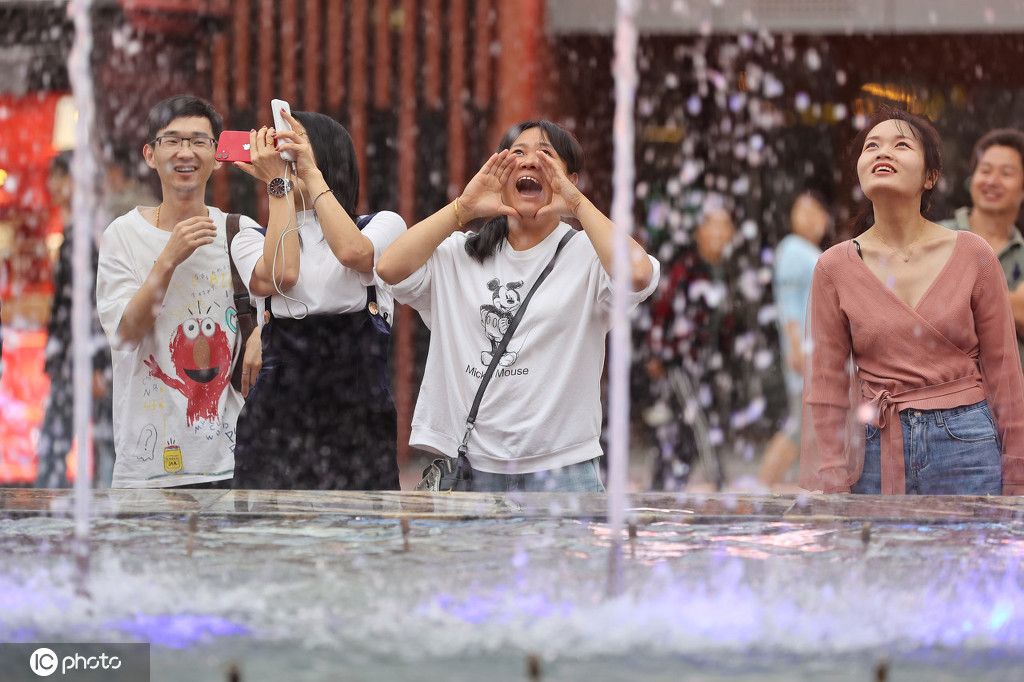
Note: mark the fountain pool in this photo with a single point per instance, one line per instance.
(327, 586)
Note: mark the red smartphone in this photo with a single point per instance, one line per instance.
(234, 146)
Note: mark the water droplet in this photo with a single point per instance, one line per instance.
(812, 59)
(693, 105)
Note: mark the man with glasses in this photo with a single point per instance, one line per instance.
(165, 300)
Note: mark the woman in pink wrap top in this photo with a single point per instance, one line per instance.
(914, 381)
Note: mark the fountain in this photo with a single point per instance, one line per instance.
(246, 585)
(317, 586)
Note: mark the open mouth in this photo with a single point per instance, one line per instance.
(186, 169)
(883, 168)
(202, 376)
(529, 186)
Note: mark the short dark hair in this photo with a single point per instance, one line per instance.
(61, 163)
(489, 239)
(818, 198)
(335, 156)
(1000, 137)
(182, 106)
(925, 133)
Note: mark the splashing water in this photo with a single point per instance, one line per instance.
(622, 218)
(737, 596)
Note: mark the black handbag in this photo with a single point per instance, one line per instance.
(446, 474)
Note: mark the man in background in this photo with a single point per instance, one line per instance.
(997, 190)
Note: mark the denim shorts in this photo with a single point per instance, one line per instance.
(584, 477)
(945, 452)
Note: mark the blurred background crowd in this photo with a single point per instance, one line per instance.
(742, 107)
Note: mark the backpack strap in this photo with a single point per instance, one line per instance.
(371, 291)
(243, 308)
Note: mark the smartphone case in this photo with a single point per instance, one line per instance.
(234, 146)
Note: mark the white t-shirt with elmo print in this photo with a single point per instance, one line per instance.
(174, 406)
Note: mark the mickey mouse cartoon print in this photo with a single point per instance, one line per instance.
(201, 354)
(496, 318)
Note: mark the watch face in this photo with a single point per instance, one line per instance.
(278, 187)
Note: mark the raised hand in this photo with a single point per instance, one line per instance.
(157, 373)
(565, 197)
(187, 236)
(482, 197)
(266, 162)
(295, 140)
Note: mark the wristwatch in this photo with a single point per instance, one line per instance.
(278, 187)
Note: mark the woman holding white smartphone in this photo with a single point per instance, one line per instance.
(320, 415)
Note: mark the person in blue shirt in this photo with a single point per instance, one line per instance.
(795, 258)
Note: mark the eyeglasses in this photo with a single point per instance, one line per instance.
(200, 142)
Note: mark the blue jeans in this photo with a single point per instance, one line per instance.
(945, 452)
(584, 477)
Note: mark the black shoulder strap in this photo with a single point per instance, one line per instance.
(243, 309)
(371, 291)
(507, 337)
(241, 292)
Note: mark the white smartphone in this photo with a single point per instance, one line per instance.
(280, 123)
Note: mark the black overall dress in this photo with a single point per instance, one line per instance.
(321, 415)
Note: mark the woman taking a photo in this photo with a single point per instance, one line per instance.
(320, 414)
(915, 319)
(539, 422)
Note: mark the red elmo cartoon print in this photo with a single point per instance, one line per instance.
(202, 359)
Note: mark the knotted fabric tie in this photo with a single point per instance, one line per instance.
(887, 421)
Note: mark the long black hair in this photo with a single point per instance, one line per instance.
(923, 131)
(335, 157)
(489, 239)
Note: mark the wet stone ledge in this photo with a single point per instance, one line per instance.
(646, 507)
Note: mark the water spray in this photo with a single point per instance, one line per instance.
(83, 202)
(622, 219)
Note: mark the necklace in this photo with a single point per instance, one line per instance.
(159, 206)
(910, 246)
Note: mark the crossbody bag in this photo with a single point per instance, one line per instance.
(445, 474)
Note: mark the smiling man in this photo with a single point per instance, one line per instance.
(165, 300)
(997, 190)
